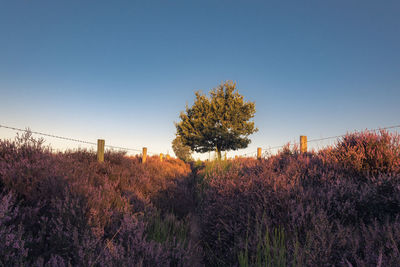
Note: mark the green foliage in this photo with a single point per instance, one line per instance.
(216, 167)
(167, 228)
(198, 163)
(181, 150)
(220, 122)
(270, 251)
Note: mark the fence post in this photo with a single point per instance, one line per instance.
(161, 157)
(168, 157)
(259, 153)
(144, 155)
(100, 150)
(303, 143)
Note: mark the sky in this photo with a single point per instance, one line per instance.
(124, 70)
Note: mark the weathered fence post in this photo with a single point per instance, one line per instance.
(100, 150)
(303, 143)
(259, 153)
(144, 155)
(161, 157)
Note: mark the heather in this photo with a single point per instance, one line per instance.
(339, 206)
(60, 209)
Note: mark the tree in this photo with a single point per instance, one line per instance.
(182, 151)
(220, 122)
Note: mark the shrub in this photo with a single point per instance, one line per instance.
(68, 209)
(12, 242)
(338, 206)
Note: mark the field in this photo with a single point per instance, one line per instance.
(339, 206)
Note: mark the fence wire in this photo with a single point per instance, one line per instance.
(71, 139)
(334, 137)
(269, 149)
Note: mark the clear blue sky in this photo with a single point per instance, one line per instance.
(123, 70)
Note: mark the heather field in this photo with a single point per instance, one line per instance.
(339, 206)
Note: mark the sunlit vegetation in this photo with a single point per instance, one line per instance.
(336, 207)
(67, 209)
(339, 206)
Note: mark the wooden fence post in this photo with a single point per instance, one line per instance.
(259, 153)
(144, 155)
(303, 143)
(100, 150)
(161, 157)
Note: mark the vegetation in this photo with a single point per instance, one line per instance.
(339, 206)
(182, 151)
(336, 207)
(63, 209)
(220, 122)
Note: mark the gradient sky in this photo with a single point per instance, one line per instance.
(123, 70)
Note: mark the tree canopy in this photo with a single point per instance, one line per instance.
(182, 151)
(218, 122)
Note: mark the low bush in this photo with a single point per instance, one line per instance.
(338, 206)
(68, 209)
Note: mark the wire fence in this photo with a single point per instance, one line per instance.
(267, 150)
(74, 139)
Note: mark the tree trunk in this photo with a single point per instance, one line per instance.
(218, 151)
